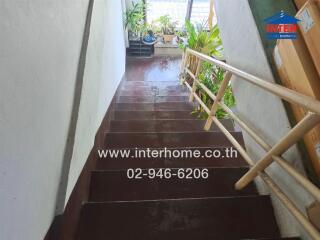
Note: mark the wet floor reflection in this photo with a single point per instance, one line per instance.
(153, 69)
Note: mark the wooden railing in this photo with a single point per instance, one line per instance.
(273, 153)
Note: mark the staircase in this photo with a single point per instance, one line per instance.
(156, 114)
(139, 49)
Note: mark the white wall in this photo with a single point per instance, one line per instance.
(104, 69)
(265, 112)
(40, 44)
(129, 2)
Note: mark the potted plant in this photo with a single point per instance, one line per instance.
(149, 37)
(181, 37)
(135, 20)
(202, 40)
(167, 28)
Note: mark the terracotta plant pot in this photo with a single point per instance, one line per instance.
(168, 38)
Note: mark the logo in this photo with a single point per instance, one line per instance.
(281, 26)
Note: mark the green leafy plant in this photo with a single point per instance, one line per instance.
(181, 33)
(202, 40)
(135, 18)
(212, 76)
(167, 26)
(208, 42)
(155, 28)
(181, 36)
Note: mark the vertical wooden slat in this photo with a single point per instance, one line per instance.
(304, 126)
(211, 14)
(194, 85)
(183, 66)
(224, 85)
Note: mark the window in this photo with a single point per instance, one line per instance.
(176, 9)
(200, 12)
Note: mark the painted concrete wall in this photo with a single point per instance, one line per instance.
(129, 2)
(104, 69)
(264, 112)
(39, 55)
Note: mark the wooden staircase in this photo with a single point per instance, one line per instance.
(157, 115)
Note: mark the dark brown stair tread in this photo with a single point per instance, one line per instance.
(155, 106)
(134, 99)
(145, 115)
(110, 185)
(171, 98)
(165, 125)
(138, 92)
(173, 140)
(118, 164)
(210, 218)
(149, 91)
(151, 99)
(138, 88)
(290, 238)
(133, 84)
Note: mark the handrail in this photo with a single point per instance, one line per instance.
(283, 92)
(273, 153)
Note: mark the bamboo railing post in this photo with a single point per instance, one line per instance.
(183, 66)
(194, 84)
(211, 14)
(224, 85)
(304, 126)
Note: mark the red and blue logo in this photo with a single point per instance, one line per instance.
(281, 26)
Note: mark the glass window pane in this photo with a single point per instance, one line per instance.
(176, 9)
(200, 12)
